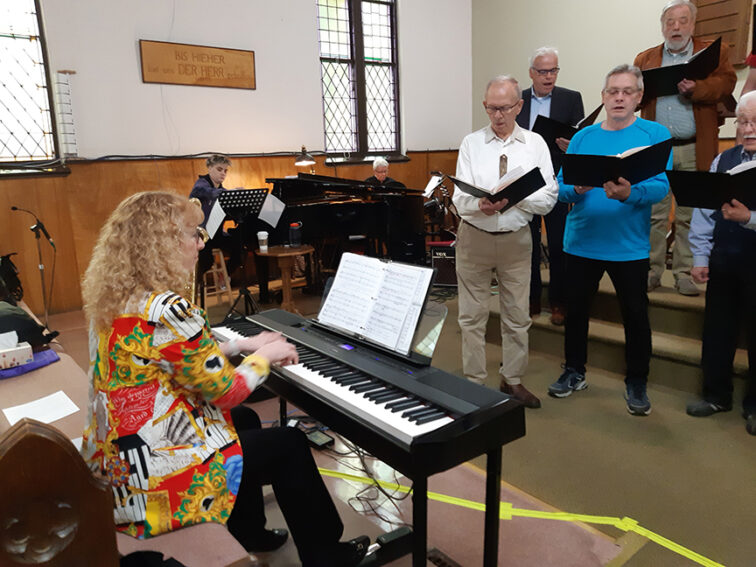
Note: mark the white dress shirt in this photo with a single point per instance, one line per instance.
(478, 164)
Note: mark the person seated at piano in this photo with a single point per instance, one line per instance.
(380, 175)
(206, 189)
(165, 426)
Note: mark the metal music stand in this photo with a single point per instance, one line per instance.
(239, 204)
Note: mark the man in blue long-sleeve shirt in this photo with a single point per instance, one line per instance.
(724, 250)
(608, 231)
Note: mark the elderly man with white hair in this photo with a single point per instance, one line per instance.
(489, 239)
(380, 175)
(724, 256)
(692, 119)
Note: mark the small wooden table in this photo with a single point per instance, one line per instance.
(285, 255)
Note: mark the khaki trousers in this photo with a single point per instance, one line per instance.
(478, 253)
(684, 159)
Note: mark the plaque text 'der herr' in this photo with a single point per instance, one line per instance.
(183, 64)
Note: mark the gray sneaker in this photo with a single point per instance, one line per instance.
(702, 408)
(685, 286)
(637, 400)
(570, 381)
(654, 281)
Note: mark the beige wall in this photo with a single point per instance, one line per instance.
(592, 37)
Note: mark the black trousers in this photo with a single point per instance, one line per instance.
(554, 222)
(281, 456)
(730, 304)
(630, 281)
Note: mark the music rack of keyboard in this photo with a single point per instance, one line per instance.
(401, 413)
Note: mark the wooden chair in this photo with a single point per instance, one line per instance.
(219, 283)
(53, 511)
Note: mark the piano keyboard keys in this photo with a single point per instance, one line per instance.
(401, 414)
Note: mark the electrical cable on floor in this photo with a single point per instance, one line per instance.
(369, 503)
(442, 294)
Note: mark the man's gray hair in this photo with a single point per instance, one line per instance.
(541, 51)
(747, 99)
(504, 79)
(625, 68)
(379, 162)
(672, 3)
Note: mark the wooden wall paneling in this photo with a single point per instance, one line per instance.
(46, 197)
(74, 207)
(729, 19)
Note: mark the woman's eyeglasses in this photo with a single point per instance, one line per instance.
(202, 235)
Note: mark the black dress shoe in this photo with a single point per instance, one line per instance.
(343, 554)
(267, 540)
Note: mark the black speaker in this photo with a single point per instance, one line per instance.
(443, 260)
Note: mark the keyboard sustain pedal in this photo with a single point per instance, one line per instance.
(389, 547)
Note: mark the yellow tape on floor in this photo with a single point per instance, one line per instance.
(507, 512)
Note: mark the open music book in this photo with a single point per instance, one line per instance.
(514, 185)
(550, 129)
(662, 81)
(377, 301)
(711, 189)
(635, 165)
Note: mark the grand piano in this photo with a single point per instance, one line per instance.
(416, 418)
(332, 209)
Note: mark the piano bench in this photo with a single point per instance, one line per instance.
(201, 544)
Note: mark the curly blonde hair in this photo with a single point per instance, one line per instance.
(137, 253)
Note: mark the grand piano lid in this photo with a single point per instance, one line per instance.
(340, 182)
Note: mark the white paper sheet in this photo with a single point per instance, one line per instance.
(377, 300)
(271, 210)
(217, 214)
(48, 409)
(433, 182)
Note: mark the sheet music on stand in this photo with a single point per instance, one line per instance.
(377, 301)
(235, 203)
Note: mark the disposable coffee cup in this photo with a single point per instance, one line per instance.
(262, 240)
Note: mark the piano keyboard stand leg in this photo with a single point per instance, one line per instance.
(281, 412)
(493, 496)
(419, 521)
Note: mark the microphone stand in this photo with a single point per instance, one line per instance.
(36, 230)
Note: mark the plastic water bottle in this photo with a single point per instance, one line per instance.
(295, 234)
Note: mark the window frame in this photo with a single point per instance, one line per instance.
(49, 166)
(358, 66)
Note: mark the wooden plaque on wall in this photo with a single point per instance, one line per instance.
(197, 65)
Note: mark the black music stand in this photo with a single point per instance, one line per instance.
(238, 204)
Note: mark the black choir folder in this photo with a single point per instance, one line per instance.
(710, 190)
(635, 165)
(513, 186)
(550, 129)
(662, 81)
(378, 302)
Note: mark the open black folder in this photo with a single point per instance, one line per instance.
(710, 190)
(515, 192)
(551, 129)
(593, 171)
(662, 81)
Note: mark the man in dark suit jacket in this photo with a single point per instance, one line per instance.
(566, 106)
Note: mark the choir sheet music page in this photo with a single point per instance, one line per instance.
(379, 301)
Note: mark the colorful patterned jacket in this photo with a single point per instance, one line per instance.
(159, 426)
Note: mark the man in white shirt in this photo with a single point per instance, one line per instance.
(491, 240)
